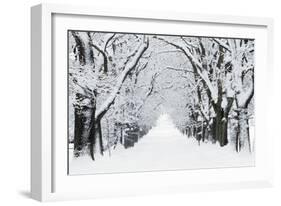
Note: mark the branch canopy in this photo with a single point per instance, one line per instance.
(127, 68)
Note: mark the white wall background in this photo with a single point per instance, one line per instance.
(15, 104)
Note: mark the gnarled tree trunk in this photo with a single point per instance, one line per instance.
(243, 132)
(219, 128)
(82, 116)
(220, 122)
(95, 137)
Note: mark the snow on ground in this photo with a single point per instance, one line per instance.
(163, 148)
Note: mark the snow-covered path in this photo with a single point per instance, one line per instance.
(163, 148)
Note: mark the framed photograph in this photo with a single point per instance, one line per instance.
(137, 102)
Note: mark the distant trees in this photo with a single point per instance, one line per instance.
(121, 82)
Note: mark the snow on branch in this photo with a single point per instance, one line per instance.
(245, 97)
(169, 51)
(109, 38)
(203, 112)
(105, 62)
(185, 51)
(189, 44)
(179, 70)
(127, 68)
(150, 91)
(222, 44)
(102, 48)
(152, 84)
(198, 68)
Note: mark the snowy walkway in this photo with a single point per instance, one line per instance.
(163, 148)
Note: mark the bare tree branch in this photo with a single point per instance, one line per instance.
(179, 70)
(222, 44)
(108, 40)
(105, 61)
(128, 67)
(197, 67)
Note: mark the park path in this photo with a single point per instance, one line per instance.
(163, 148)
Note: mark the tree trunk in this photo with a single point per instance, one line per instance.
(95, 137)
(220, 122)
(194, 131)
(205, 132)
(242, 132)
(189, 132)
(98, 125)
(219, 128)
(121, 135)
(78, 129)
(92, 139)
(82, 121)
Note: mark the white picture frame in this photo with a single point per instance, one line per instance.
(49, 180)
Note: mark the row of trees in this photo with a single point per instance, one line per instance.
(119, 82)
(222, 74)
(104, 69)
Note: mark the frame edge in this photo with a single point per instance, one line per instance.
(36, 108)
(39, 190)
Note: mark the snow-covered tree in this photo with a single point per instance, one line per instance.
(101, 64)
(240, 58)
(119, 85)
(219, 67)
